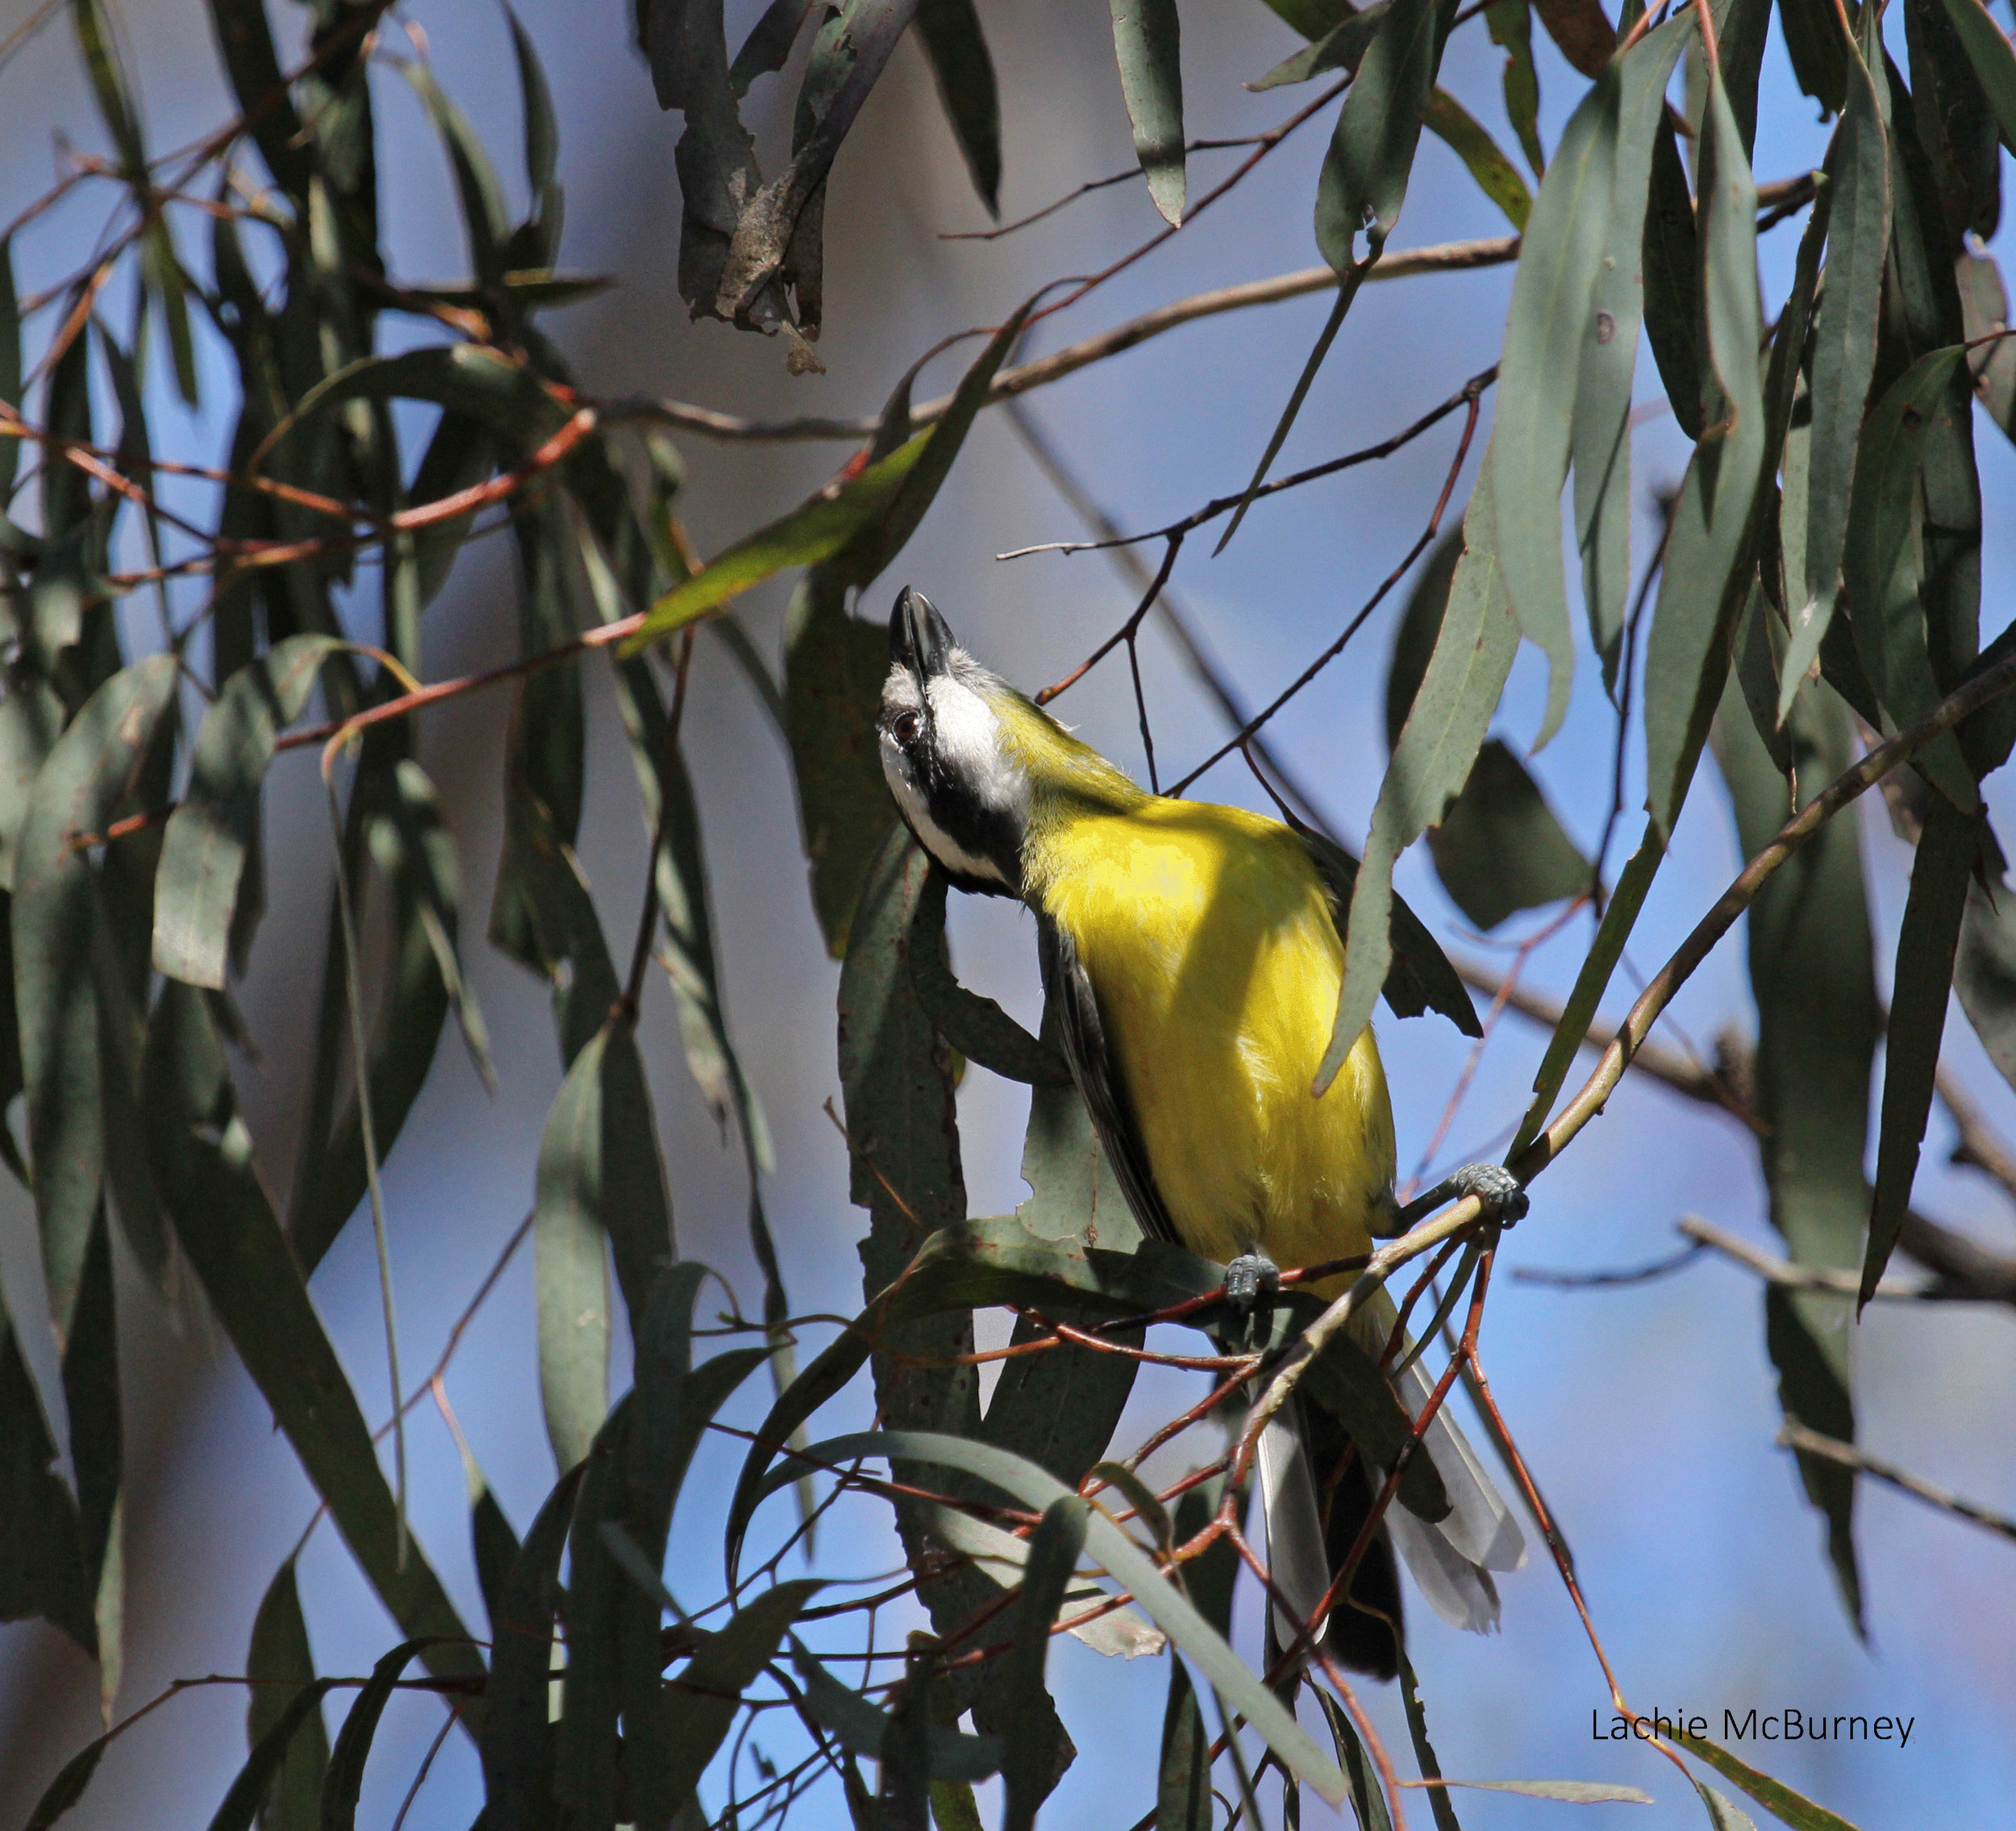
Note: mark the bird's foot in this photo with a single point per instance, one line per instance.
(1246, 1277)
(1503, 1198)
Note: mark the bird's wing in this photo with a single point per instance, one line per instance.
(1069, 988)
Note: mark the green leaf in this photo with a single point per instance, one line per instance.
(68, 1786)
(1818, 50)
(1128, 1567)
(1600, 433)
(542, 137)
(1549, 323)
(1497, 176)
(1985, 305)
(91, 1401)
(600, 1185)
(43, 1570)
(241, 1805)
(816, 530)
(708, 1691)
(1183, 1787)
(1499, 848)
(1341, 48)
(1812, 973)
(1723, 1814)
(1364, 177)
(484, 221)
(1511, 25)
(1956, 124)
(1984, 973)
(861, 1727)
(1710, 550)
(203, 1158)
(214, 825)
(767, 48)
(1028, 1757)
(1146, 38)
(280, 1658)
(244, 39)
(1367, 1796)
(976, 1027)
(1424, 1754)
(1672, 257)
(1445, 728)
(345, 1777)
(1994, 62)
(884, 535)
(472, 379)
(1794, 1809)
(517, 1754)
(1858, 171)
(1879, 570)
(81, 788)
(10, 364)
(957, 51)
(833, 667)
(1941, 872)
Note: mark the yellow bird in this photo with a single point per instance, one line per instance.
(1191, 954)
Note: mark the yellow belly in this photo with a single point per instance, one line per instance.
(1209, 942)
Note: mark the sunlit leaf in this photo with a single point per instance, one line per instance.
(1790, 1808)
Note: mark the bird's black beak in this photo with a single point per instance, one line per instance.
(919, 639)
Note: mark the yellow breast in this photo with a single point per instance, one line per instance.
(1210, 944)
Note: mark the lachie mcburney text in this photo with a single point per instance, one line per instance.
(1785, 1724)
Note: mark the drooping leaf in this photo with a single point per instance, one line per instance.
(1569, 1792)
(80, 789)
(1368, 1798)
(1672, 257)
(517, 1754)
(344, 1779)
(708, 1690)
(1811, 974)
(228, 1230)
(1985, 305)
(239, 1808)
(1183, 1788)
(42, 1562)
(1445, 728)
(1818, 50)
(1511, 25)
(1424, 1754)
(833, 666)
(1956, 125)
(214, 825)
(1549, 323)
(1984, 973)
(601, 1186)
(957, 49)
(91, 1403)
(1364, 177)
(1147, 40)
(1710, 550)
(244, 39)
(1499, 848)
(1340, 47)
(1880, 569)
(1028, 1758)
(1941, 872)
(1994, 62)
(1600, 435)
(1843, 356)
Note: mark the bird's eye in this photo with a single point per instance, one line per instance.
(905, 725)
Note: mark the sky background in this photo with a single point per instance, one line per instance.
(1647, 1413)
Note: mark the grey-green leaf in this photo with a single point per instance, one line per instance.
(1147, 41)
(214, 826)
(280, 1657)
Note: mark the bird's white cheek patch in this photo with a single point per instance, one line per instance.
(936, 841)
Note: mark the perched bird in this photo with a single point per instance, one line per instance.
(1190, 954)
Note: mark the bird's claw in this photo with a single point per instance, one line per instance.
(1246, 1277)
(1504, 1199)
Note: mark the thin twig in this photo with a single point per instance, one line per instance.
(1811, 1442)
(1085, 189)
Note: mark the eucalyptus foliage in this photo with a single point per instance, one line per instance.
(1816, 596)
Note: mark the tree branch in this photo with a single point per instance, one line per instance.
(1811, 1443)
